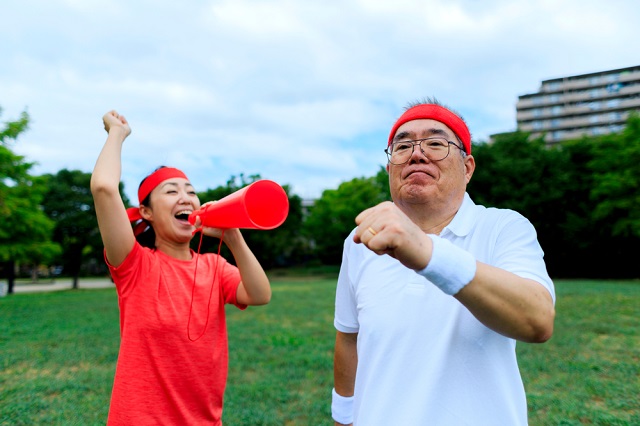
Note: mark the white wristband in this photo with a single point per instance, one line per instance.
(450, 268)
(341, 408)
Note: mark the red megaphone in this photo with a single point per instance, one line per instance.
(261, 205)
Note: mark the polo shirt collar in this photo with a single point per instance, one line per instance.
(464, 220)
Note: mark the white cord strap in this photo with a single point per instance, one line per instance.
(450, 268)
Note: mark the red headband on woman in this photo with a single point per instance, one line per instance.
(438, 113)
(148, 185)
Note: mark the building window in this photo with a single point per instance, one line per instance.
(555, 85)
(613, 77)
(556, 110)
(614, 87)
(613, 103)
(537, 125)
(594, 119)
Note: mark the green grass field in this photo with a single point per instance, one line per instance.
(58, 353)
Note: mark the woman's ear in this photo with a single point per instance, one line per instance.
(146, 213)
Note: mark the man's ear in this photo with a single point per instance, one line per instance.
(469, 167)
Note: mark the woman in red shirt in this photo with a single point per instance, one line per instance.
(172, 363)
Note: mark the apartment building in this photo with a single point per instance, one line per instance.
(589, 104)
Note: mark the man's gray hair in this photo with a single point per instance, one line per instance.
(433, 101)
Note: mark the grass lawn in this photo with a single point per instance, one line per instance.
(58, 353)
(589, 372)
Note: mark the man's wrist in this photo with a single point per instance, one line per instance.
(450, 267)
(341, 408)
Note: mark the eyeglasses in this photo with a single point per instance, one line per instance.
(435, 149)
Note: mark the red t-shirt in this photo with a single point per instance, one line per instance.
(163, 377)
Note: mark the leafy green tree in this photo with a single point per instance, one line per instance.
(25, 231)
(612, 177)
(69, 203)
(332, 217)
(582, 196)
(539, 182)
(615, 165)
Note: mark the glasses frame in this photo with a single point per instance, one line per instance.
(418, 142)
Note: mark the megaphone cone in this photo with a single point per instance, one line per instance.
(261, 205)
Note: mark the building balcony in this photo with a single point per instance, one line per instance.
(585, 121)
(580, 96)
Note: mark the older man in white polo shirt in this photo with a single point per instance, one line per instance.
(434, 291)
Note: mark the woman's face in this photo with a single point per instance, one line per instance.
(170, 205)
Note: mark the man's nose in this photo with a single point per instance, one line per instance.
(417, 156)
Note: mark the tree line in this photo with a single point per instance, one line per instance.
(582, 196)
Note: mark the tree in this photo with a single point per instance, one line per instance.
(69, 203)
(25, 231)
(616, 179)
(332, 217)
(582, 197)
(538, 181)
(613, 176)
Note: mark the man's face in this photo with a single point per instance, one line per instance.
(421, 180)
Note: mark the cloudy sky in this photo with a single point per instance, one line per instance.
(301, 92)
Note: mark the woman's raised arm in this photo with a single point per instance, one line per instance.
(115, 228)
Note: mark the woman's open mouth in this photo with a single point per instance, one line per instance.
(183, 215)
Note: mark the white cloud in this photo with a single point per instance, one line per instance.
(304, 92)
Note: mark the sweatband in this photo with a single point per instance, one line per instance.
(437, 113)
(155, 179)
(341, 408)
(450, 268)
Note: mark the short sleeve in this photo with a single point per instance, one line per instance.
(517, 250)
(127, 273)
(229, 279)
(346, 312)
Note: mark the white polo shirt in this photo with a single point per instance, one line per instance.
(423, 358)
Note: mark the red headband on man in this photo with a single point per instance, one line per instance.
(438, 113)
(148, 185)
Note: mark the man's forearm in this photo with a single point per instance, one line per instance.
(345, 364)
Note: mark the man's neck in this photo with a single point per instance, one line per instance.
(432, 219)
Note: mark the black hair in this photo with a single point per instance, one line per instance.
(147, 238)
